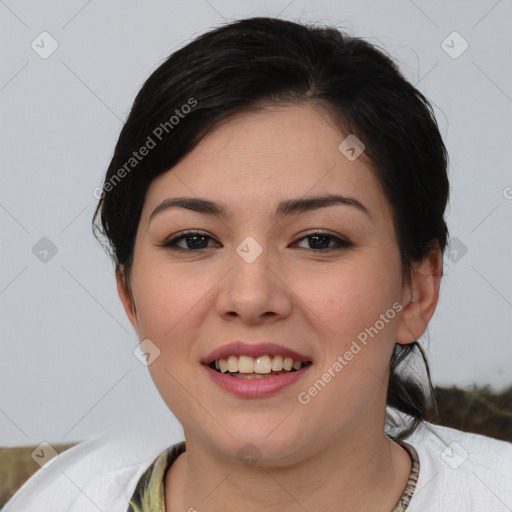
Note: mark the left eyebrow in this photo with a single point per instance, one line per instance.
(296, 206)
(285, 208)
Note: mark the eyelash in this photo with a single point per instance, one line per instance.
(341, 243)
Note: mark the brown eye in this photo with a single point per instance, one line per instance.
(321, 242)
(194, 240)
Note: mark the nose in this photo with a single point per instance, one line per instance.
(254, 292)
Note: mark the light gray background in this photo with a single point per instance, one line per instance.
(67, 369)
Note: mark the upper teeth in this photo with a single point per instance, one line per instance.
(261, 364)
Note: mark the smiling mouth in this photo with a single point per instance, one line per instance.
(246, 367)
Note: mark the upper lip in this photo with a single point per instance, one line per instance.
(240, 348)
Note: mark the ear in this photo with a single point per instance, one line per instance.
(420, 297)
(126, 298)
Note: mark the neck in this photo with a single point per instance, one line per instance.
(361, 470)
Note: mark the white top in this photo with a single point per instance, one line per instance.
(459, 472)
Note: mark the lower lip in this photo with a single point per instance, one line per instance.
(255, 388)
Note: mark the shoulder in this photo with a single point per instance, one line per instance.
(99, 474)
(461, 471)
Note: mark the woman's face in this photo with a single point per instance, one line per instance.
(255, 276)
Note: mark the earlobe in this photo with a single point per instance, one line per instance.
(126, 298)
(421, 297)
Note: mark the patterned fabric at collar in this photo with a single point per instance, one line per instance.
(149, 491)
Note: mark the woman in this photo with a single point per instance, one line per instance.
(274, 209)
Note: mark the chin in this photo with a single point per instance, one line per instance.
(258, 441)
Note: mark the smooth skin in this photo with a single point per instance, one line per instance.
(330, 454)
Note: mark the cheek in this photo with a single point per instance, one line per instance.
(346, 301)
(355, 320)
(164, 299)
(169, 306)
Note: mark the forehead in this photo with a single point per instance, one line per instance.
(264, 157)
